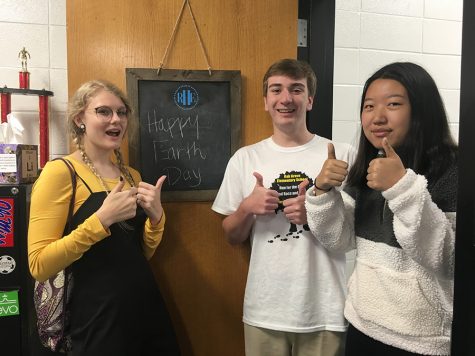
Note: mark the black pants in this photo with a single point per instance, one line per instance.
(359, 344)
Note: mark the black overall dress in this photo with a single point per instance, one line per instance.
(116, 306)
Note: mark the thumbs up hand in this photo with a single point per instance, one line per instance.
(383, 173)
(119, 205)
(261, 201)
(294, 208)
(149, 198)
(333, 172)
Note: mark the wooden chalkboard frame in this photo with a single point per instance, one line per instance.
(134, 75)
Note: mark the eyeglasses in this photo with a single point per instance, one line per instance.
(105, 113)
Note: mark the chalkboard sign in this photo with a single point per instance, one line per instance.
(187, 126)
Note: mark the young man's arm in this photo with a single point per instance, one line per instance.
(261, 201)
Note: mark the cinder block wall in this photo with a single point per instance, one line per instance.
(372, 33)
(40, 26)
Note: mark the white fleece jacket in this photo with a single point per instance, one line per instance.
(400, 294)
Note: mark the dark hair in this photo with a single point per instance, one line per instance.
(428, 148)
(294, 69)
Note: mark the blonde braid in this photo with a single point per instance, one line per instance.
(123, 168)
(77, 140)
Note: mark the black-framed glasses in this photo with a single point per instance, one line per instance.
(105, 113)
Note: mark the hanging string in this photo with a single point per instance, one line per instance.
(172, 37)
(199, 36)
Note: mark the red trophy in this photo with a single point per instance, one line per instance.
(24, 75)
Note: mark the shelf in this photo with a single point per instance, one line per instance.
(36, 92)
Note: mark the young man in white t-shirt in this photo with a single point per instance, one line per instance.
(295, 290)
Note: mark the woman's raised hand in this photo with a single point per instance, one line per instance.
(384, 172)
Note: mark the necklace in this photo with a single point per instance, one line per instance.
(124, 225)
(88, 162)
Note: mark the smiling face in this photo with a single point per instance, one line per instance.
(103, 133)
(386, 112)
(287, 101)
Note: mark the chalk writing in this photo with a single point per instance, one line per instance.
(192, 177)
(178, 141)
(189, 150)
(173, 126)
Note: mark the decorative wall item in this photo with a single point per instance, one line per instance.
(188, 126)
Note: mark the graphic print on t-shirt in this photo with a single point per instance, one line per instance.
(287, 185)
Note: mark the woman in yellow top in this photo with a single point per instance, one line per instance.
(118, 221)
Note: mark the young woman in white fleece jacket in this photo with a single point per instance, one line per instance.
(397, 209)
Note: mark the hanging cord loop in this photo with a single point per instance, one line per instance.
(172, 37)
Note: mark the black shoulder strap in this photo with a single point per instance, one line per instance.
(72, 171)
(84, 182)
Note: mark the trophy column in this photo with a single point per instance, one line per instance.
(43, 96)
(24, 81)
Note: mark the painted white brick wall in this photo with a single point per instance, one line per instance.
(40, 26)
(372, 33)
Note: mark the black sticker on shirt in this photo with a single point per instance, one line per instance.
(287, 185)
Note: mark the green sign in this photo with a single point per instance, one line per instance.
(9, 303)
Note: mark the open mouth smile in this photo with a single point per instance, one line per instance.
(113, 133)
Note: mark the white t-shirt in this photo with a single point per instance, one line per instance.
(294, 284)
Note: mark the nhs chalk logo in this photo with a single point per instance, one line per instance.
(186, 97)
